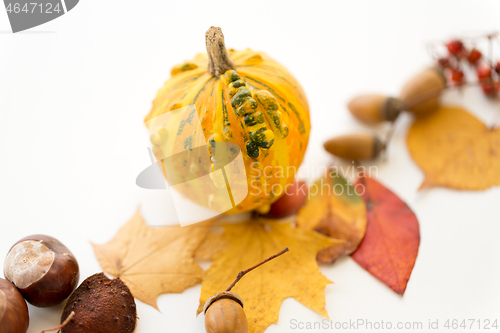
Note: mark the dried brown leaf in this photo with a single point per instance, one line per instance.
(153, 261)
(334, 209)
(295, 274)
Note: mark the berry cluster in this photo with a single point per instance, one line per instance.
(459, 55)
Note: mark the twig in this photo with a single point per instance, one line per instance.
(242, 273)
(436, 92)
(490, 51)
(425, 97)
(388, 136)
(65, 322)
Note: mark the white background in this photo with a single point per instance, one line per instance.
(74, 92)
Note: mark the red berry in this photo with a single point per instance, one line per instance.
(497, 67)
(293, 198)
(457, 76)
(444, 62)
(490, 89)
(483, 72)
(455, 47)
(474, 56)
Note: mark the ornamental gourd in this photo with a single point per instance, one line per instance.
(245, 98)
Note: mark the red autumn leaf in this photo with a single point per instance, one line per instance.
(390, 246)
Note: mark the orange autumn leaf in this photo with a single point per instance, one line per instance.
(153, 261)
(295, 274)
(334, 209)
(390, 246)
(455, 149)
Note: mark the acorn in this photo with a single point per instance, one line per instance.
(14, 316)
(355, 146)
(43, 269)
(421, 93)
(374, 108)
(100, 305)
(224, 311)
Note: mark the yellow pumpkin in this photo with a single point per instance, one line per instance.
(248, 99)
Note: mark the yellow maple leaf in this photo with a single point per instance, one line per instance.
(153, 261)
(455, 149)
(295, 274)
(335, 209)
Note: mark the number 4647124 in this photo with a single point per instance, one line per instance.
(485, 324)
(33, 7)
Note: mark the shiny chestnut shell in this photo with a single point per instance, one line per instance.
(14, 316)
(42, 269)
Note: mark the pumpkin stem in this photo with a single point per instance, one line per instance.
(218, 58)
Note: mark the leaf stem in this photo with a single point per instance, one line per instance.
(242, 273)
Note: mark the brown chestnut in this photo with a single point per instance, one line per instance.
(43, 269)
(14, 316)
(100, 305)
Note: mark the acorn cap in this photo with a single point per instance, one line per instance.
(224, 294)
(392, 108)
(375, 108)
(440, 71)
